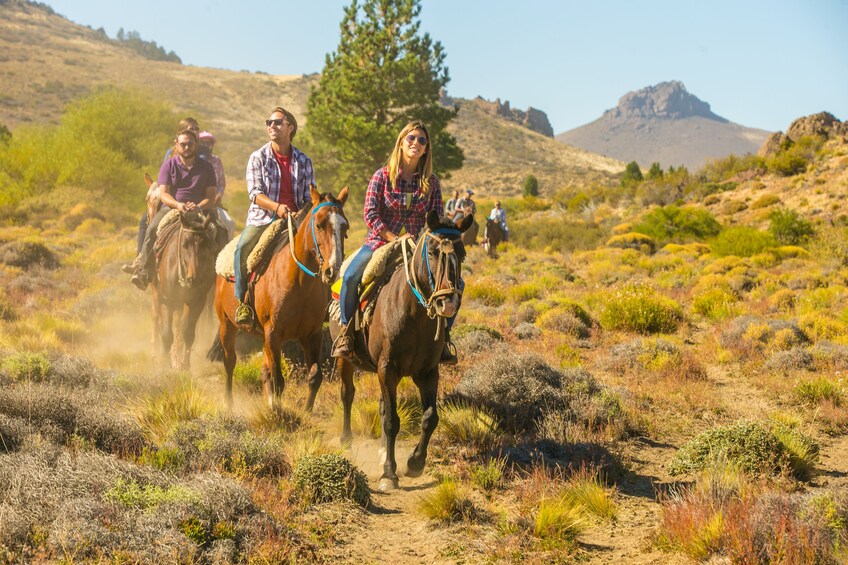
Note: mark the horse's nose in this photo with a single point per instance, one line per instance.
(447, 306)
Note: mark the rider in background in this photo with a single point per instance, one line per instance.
(465, 206)
(278, 179)
(207, 145)
(398, 199)
(187, 183)
(498, 215)
(450, 206)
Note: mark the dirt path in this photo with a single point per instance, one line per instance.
(393, 530)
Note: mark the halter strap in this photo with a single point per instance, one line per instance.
(303, 267)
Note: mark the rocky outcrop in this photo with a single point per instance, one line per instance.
(823, 124)
(666, 100)
(532, 119)
(773, 144)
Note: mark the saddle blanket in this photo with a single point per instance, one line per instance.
(224, 264)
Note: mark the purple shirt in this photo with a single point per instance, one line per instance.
(398, 208)
(189, 184)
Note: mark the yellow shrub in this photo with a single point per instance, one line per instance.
(633, 240)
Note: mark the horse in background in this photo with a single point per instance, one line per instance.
(290, 298)
(469, 236)
(153, 198)
(493, 235)
(406, 336)
(185, 271)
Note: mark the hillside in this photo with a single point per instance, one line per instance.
(48, 61)
(664, 124)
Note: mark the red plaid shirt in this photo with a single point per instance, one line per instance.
(387, 207)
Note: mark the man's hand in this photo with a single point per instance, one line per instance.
(188, 207)
(282, 210)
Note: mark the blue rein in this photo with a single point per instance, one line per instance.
(303, 267)
(426, 259)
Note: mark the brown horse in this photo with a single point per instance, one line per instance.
(406, 337)
(290, 298)
(469, 236)
(185, 272)
(492, 236)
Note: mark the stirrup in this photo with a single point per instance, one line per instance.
(244, 314)
(449, 356)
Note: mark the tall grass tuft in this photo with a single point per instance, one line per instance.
(469, 426)
(162, 411)
(559, 521)
(448, 503)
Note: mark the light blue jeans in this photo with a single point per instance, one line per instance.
(349, 295)
(247, 241)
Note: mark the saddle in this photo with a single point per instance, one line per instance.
(272, 240)
(170, 225)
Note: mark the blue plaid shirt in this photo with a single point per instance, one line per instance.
(263, 176)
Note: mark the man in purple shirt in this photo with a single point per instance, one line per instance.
(187, 183)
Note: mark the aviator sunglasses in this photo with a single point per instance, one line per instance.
(277, 122)
(421, 139)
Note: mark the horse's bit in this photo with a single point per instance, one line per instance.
(447, 254)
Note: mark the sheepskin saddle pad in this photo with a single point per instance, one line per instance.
(276, 235)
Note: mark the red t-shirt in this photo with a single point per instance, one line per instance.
(286, 192)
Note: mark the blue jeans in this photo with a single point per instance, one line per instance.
(349, 295)
(247, 241)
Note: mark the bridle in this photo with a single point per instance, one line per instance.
(204, 233)
(447, 256)
(317, 248)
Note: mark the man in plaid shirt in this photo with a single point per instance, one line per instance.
(278, 179)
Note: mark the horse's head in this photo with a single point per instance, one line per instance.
(196, 247)
(328, 226)
(439, 256)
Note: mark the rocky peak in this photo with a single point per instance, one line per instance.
(666, 100)
(532, 119)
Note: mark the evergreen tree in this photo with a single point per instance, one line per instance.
(655, 172)
(531, 186)
(384, 74)
(632, 173)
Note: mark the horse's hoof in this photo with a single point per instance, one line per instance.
(388, 485)
(414, 468)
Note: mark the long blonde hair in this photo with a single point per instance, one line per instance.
(425, 165)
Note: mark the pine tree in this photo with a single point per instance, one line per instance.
(384, 74)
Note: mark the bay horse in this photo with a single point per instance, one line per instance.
(291, 297)
(469, 236)
(492, 236)
(406, 336)
(185, 271)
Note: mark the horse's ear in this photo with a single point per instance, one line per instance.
(466, 222)
(314, 194)
(433, 220)
(342, 197)
(148, 180)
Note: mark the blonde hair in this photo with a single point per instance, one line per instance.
(425, 165)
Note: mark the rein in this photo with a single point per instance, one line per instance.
(446, 254)
(303, 267)
(180, 265)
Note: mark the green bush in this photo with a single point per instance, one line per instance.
(632, 174)
(720, 170)
(531, 186)
(542, 232)
(753, 447)
(26, 366)
(577, 202)
(330, 477)
(789, 228)
(637, 308)
(765, 201)
(103, 144)
(678, 224)
(742, 242)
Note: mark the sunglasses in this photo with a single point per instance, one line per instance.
(421, 139)
(277, 122)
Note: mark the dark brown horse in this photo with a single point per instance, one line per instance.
(469, 236)
(291, 297)
(492, 236)
(185, 272)
(406, 336)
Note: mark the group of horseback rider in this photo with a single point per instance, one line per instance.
(279, 176)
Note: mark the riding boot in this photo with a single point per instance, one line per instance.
(131, 268)
(141, 277)
(244, 314)
(343, 347)
(448, 351)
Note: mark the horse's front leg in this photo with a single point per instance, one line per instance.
(166, 332)
(391, 425)
(272, 374)
(176, 348)
(191, 315)
(344, 368)
(312, 353)
(428, 387)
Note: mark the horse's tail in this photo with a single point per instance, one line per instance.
(216, 352)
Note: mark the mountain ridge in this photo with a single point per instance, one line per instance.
(664, 123)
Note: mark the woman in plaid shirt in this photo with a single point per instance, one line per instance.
(396, 205)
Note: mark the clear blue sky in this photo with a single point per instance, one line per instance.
(758, 63)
